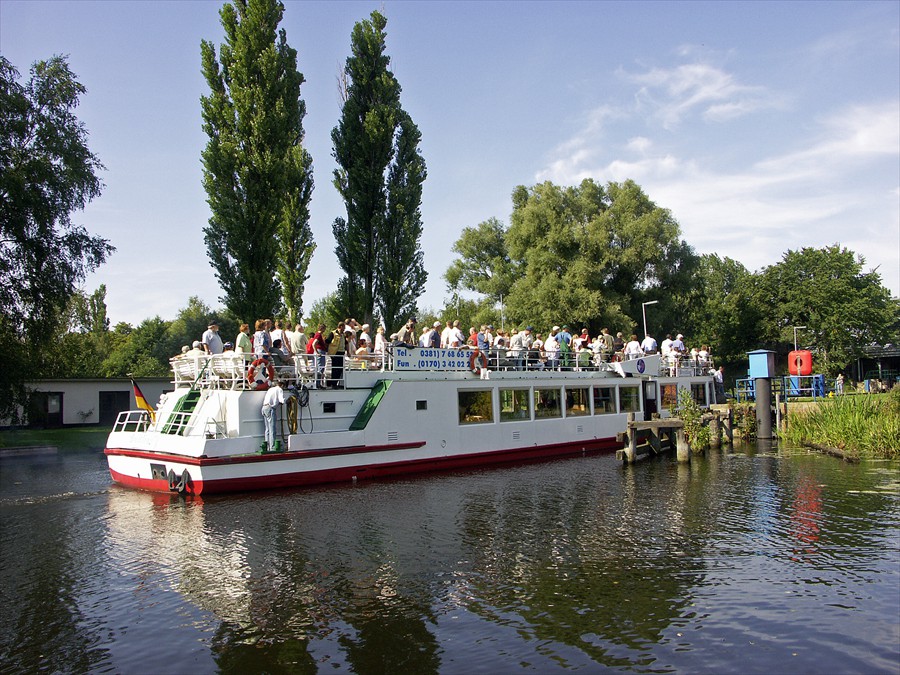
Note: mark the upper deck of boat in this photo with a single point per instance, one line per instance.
(237, 371)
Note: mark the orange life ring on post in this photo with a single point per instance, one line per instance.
(475, 358)
(251, 371)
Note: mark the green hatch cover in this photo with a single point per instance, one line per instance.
(368, 407)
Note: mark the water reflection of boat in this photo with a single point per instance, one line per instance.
(393, 570)
(425, 409)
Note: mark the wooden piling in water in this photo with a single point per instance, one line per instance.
(631, 452)
(715, 432)
(721, 423)
(682, 447)
(655, 441)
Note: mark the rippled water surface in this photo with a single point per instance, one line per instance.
(754, 561)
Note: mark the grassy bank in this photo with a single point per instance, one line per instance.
(866, 426)
(77, 439)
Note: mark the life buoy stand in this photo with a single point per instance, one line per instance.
(477, 361)
(800, 362)
(251, 371)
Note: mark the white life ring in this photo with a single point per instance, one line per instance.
(476, 358)
(251, 371)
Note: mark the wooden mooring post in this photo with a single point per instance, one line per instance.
(652, 431)
(675, 437)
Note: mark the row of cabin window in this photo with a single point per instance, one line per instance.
(515, 404)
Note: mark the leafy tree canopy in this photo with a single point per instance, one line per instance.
(586, 255)
(843, 308)
(720, 309)
(47, 172)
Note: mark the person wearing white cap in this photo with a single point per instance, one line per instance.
(678, 344)
(551, 347)
(196, 349)
(431, 338)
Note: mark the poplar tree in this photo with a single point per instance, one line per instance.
(257, 174)
(380, 176)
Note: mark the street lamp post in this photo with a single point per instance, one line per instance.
(644, 312)
(796, 328)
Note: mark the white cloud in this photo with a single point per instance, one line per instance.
(639, 144)
(850, 135)
(671, 94)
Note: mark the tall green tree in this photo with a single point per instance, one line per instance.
(587, 255)
(400, 262)
(257, 174)
(720, 308)
(842, 307)
(47, 172)
(141, 351)
(483, 265)
(82, 338)
(379, 176)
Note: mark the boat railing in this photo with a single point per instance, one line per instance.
(216, 428)
(685, 366)
(132, 421)
(231, 371)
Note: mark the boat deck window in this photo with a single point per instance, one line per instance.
(629, 399)
(515, 405)
(421, 405)
(698, 391)
(577, 402)
(476, 407)
(604, 400)
(547, 403)
(669, 396)
(328, 406)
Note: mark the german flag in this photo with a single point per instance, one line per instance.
(142, 402)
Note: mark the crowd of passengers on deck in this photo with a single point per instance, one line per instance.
(273, 344)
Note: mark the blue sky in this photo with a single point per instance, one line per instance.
(762, 126)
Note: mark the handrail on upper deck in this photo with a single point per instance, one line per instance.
(229, 370)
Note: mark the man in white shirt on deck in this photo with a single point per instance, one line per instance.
(457, 339)
(445, 335)
(551, 346)
(365, 338)
(298, 340)
(211, 341)
(649, 344)
(666, 345)
(274, 397)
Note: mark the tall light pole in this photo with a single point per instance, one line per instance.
(796, 328)
(644, 312)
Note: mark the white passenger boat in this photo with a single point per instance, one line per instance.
(418, 410)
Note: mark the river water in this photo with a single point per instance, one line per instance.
(747, 561)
